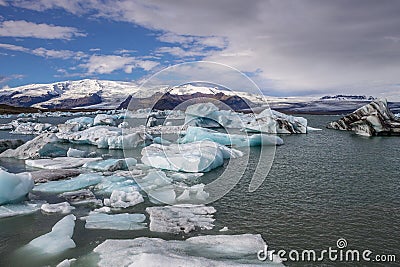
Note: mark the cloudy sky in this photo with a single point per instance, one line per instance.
(287, 47)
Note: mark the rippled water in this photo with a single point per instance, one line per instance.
(322, 186)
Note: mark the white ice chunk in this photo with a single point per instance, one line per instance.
(66, 263)
(14, 187)
(10, 210)
(199, 251)
(122, 221)
(198, 134)
(59, 163)
(110, 164)
(121, 199)
(76, 153)
(58, 240)
(79, 182)
(201, 156)
(63, 207)
(104, 119)
(31, 149)
(181, 218)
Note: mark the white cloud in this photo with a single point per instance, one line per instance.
(104, 64)
(43, 52)
(295, 46)
(22, 28)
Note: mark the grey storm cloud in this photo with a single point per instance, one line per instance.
(293, 46)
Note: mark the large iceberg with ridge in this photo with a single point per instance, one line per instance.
(271, 121)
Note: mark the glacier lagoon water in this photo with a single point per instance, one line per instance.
(322, 186)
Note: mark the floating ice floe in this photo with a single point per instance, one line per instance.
(14, 187)
(181, 218)
(66, 263)
(271, 121)
(104, 119)
(59, 163)
(199, 251)
(106, 137)
(122, 199)
(79, 182)
(43, 176)
(32, 128)
(81, 197)
(25, 208)
(200, 156)
(198, 134)
(111, 164)
(115, 182)
(122, 221)
(83, 122)
(33, 149)
(63, 207)
(76, 153)
(372, 119)
(209, 115)
(163, 189)
(56, 241)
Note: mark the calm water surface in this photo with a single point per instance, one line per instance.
(322, 186)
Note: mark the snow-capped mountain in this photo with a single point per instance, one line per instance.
(103, 94)
(97, 94)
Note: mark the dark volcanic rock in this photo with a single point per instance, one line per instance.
(372, 119)
(167, 101)
(24, 101)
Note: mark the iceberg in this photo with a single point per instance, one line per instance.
(271, 121)
(33, 149)
(63, 207)
(107, 137)
(163, 189)
(194, 134)
(115, 182)
(199, 251)
(181, 218)
(110, 164)
(11, 210)
(83, 122)
(200, 156)
(66, 263)
(372, 119)
(209, 115)
(81, 197)
(76, 153)
(79, 182)
(44, 176)
(122, 221)
(59, 163)
(14, 187)
(56, 241)
(122, 199)
(104, 119)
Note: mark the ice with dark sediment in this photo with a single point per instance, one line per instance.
(181, 218)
